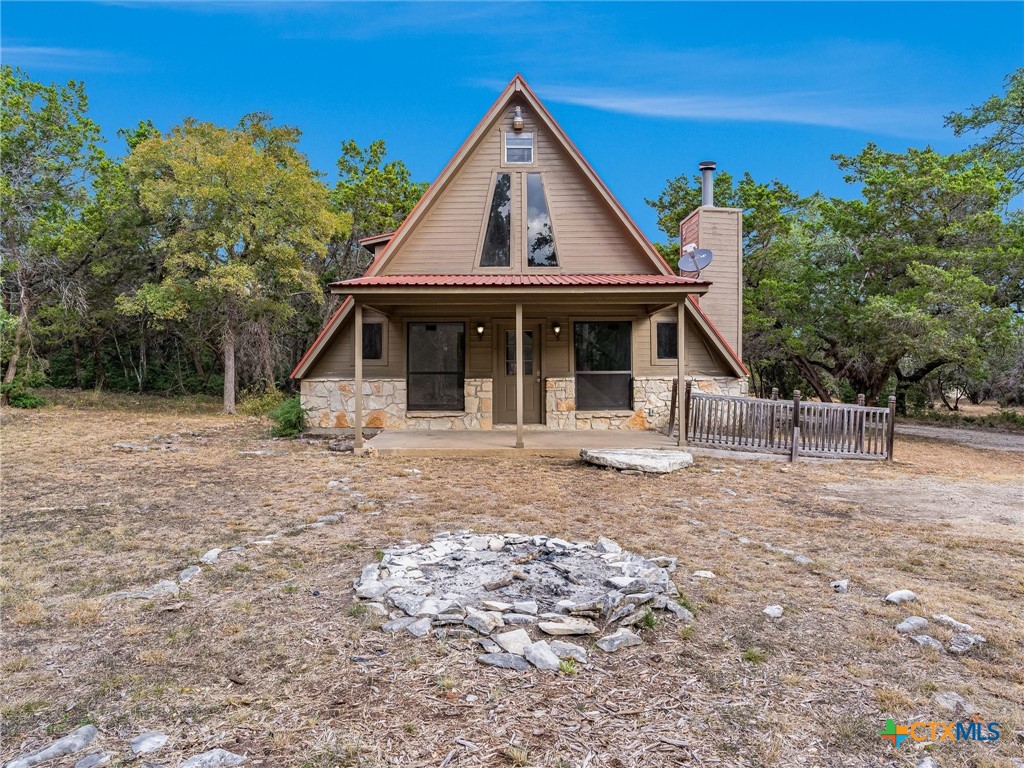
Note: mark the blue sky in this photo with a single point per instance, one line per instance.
(645, 90)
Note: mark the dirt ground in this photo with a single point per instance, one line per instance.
(265, 654)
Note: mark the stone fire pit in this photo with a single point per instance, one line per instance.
(513, 594)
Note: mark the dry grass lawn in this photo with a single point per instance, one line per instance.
(265, 654)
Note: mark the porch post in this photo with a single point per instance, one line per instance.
(681, 369)
(357, 308)
(519, 375)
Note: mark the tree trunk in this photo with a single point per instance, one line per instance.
(197, 358)
(99, 373)
(76, 354)
(267, 356)
(806, 369)
(19, 334)
(228, 340)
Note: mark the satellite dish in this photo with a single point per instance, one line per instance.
(696, 260)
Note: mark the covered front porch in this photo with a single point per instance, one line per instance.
(555, 353)
(536, 441)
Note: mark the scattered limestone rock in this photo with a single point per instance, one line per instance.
(95, 760)
(703, 575)
(900, 596)
(927, 762)
(397, 625)
(949, 621)
(419, 627)
(215, 758)
(568, 626)
(840, 585)
(515, 641)
(564, 650)
(161, 589)
(211, 557)
(962, 642)
(188, 574)
(482, 622)
(504, 660)
(802, 560)
(927, 641)
(773, 611)
(147, 742)
(622, 638)
(640, 459)
(607, 545)
(525, 606)
(75, 741)
(541, 656)
(411, 472)
(954, 702)
(912, 624)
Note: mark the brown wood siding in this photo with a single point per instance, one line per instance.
(589, 237)
(719, 229)
(447, 239)
(701, 358)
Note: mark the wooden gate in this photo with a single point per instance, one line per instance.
(793, 427)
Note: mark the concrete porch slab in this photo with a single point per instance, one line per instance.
(545, 442)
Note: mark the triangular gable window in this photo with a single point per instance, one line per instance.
(540, 237)
(497, 250)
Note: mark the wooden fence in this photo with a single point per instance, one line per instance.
(793, 427)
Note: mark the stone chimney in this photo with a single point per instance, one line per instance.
(720, 230)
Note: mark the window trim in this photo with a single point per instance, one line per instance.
(653, 331)
(631, 373)
(505, 162)
(371, 317)
(524, 209)
(482, 236)
(382, 360)
(413, 412)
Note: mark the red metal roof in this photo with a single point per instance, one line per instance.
(487, 280)
(372, 239)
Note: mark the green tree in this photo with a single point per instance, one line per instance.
(912, 278)
(377, 195)
(999, 124)
(49, 150)
(239, 217)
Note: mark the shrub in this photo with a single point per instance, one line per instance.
(19, 397)
(289, 418)
(260, 404)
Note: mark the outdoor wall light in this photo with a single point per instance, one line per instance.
(557, 330)
(517, 120)
(480, 330)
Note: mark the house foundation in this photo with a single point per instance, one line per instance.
(330, 404)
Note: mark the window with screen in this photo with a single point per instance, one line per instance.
(668, 341)
(497, 249)
(436, 376)
(519, 148)
(373, 341)
(603, 355)
(540, 238)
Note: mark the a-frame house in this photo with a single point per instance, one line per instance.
(519, 252)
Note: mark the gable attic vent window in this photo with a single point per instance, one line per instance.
(519, 148)
(497, 250)
(540, 238)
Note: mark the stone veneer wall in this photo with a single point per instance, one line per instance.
(331, 404)
(652, 398)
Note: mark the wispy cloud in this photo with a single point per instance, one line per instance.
(803, 108)
(54, 58)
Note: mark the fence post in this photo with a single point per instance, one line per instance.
(891, 432)
(686, 407)
(859, 438)
(775, 393)
(795, 449)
